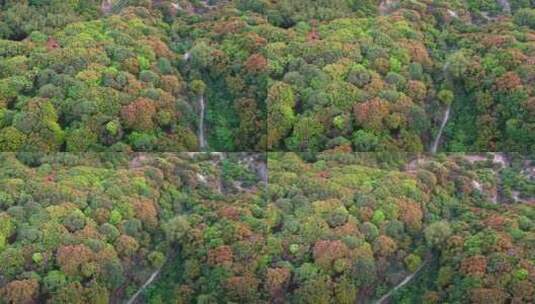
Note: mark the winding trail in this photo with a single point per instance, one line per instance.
(152, 277)
(405, 281)
(434, 147)
(203, 144)
(446, 116)
(202, 140)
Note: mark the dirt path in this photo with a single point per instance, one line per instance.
(202, 140)
(445, 119)
(152, 277)
(405, 281)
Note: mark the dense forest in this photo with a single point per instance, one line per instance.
(73, 79)
(90, 227)
(267, 151)
(204, 228)
(251, 75)
(396, 82)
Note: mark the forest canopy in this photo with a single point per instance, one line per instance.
(251, 75)
(267, 151)
(83, 81)
(333, 228)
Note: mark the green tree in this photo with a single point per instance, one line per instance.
(176, 228)
(437, 233)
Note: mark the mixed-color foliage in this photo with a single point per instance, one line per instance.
(347, 228)
(72, 79)
(361, 82)
(332, 228)
(282, 75)
(88, 228)
(346, 94)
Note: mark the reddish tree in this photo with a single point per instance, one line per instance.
(327, 252)
(171, 84)
(384, 246)
(475, 265)
(242, 288)
(276, 282)
(417, 90)
(72, 257)
(492, 41)
(254, 41)
(23, 291)
(89, 231)
(243, 231)
(146, 212)
(230, 212)
(370, 114)
(159, 47)
(221, 255)
(418, 52)
(509, 81)
(488, 296)
(455, 241)
(411, 215)
(256, 63)
(232, 25)
(139, 115)
(126, 245)
(495, 221)
(504, 242)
